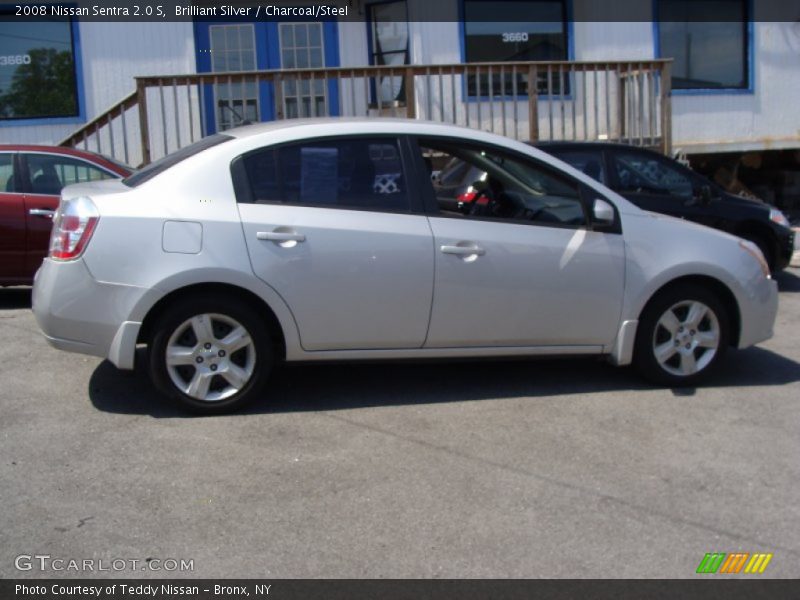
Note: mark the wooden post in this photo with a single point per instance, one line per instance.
(666, 107)
(533, 103)
(411, 100)
(144, 127)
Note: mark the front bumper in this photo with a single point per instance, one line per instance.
(759, 308)
(76, 313)
(786, 248)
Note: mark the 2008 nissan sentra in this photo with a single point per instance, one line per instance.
(323, 240)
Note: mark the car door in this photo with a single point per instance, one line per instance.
(12, 221)
(658, 184)
(334, 226)
(48, 174)
(523, 268)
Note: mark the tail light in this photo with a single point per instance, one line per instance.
(73, 225)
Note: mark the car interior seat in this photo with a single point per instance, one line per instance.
(46, 182)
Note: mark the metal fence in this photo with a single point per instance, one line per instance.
(619, 101)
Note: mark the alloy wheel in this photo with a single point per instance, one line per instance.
(210, 357)
(686, 338)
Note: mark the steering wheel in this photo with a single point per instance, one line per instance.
(477, 208)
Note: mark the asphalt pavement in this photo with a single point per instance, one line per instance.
(550, 468)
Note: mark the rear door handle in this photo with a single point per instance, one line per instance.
(280, 236)
(42, 212)
(466, 250)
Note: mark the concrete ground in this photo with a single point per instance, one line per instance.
(568, 468)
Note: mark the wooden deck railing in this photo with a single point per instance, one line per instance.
(612, 100)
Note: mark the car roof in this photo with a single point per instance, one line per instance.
(50, 149)
(361, 125)
(587, 145)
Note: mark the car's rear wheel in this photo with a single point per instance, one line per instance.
(683, 334)
(210, 354)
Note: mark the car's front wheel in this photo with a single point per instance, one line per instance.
(682, 335)
(210, 354)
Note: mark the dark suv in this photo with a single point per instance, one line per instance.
(659, 184)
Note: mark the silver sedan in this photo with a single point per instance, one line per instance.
(326, 240)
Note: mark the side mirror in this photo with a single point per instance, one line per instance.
(602, 212)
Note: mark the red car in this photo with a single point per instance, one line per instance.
(31, 178)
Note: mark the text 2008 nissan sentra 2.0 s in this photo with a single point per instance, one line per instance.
(324, 240)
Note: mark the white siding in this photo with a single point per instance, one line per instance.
(114, 53)
(613, 41)
(767, 118)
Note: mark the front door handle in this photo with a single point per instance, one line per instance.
(41, 212)
(465, 250)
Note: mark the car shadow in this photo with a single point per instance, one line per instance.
(15, 298)
(339, 386)
(788, 281)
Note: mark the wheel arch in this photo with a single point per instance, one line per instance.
(244, 295)
(722, 291)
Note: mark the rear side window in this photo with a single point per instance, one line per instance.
(342, 173)
(170, 160)
(640, 173)
(49, 173)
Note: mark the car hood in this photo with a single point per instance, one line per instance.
(733, 200)
(684, 226)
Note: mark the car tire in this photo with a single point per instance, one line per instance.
(210, 354)
(683, 334)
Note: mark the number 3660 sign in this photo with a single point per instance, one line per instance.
(520, 36)
(15, 59)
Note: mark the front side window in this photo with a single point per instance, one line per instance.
(708, 41)
(345, 173)
(48, 173)
(640, 173)
(510, 31)
(496, 185)
(37, 68)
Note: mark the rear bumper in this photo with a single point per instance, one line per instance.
(76, 313)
